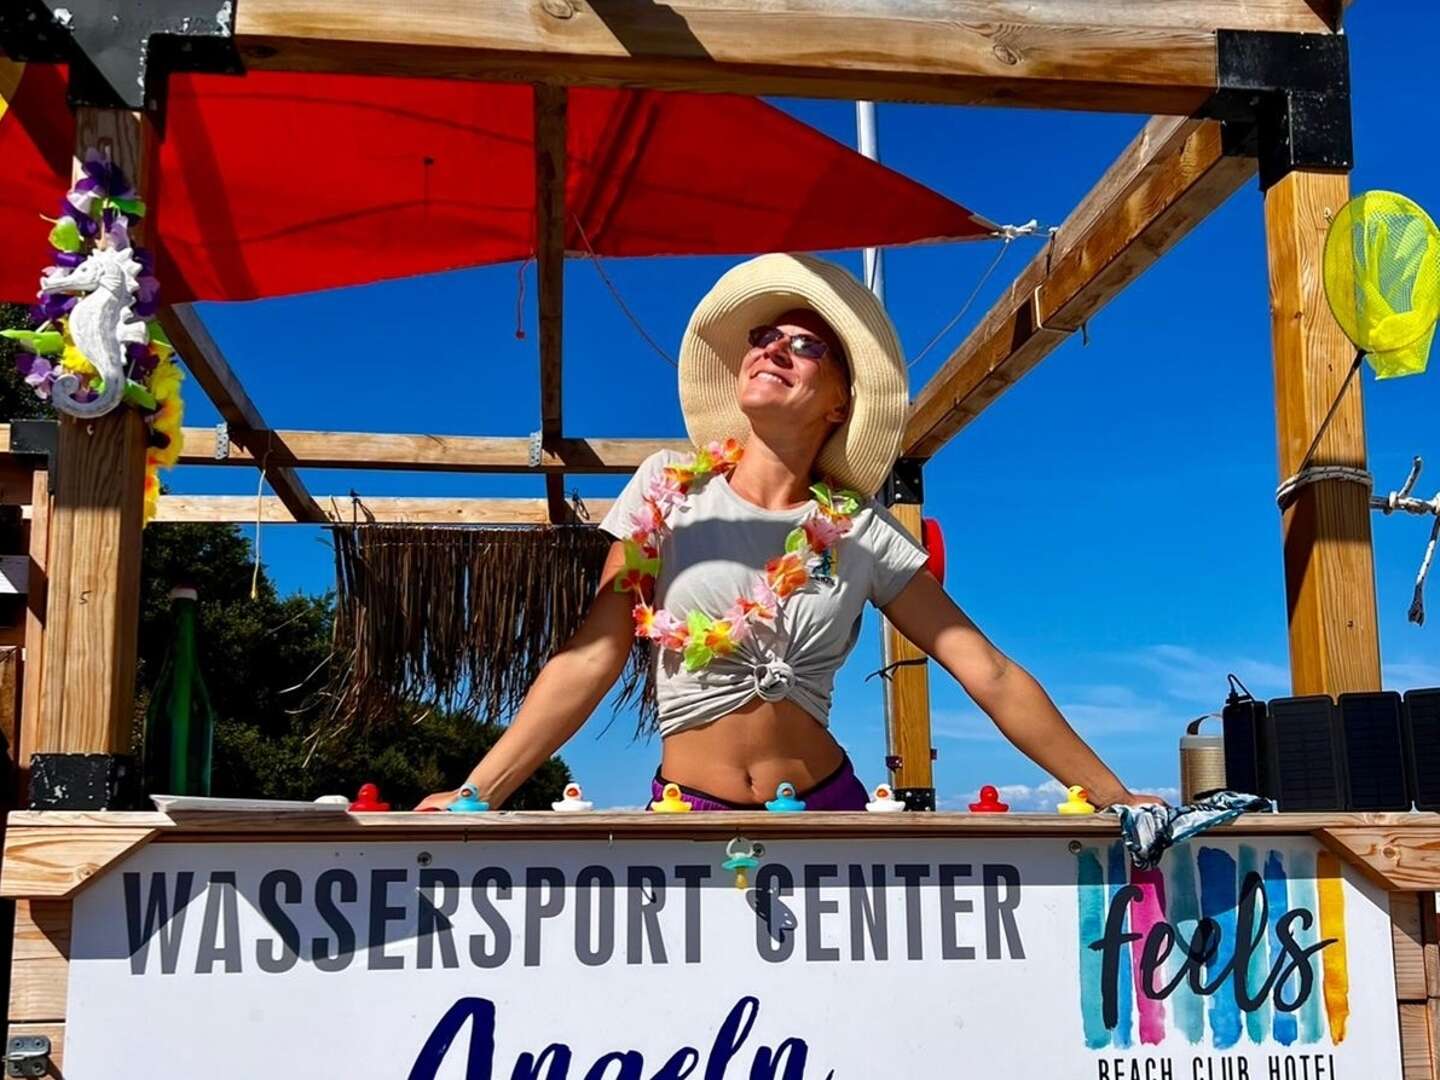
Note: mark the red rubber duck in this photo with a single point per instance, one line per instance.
(367, 800)
(989, 802)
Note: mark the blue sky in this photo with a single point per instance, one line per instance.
(1110, 521)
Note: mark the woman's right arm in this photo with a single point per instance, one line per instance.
(570, 686)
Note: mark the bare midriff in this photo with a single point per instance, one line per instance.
(744, 757)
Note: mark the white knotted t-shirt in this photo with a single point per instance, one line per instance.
(716, 549)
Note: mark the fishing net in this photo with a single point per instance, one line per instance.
(1382, 280)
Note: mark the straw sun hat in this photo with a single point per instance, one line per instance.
(861, 452)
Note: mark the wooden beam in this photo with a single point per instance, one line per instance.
(341, 509)
(1145, 56)
(213, 372)
(1395, 858)
(551, 124)
(907, 690)
(1171, 176)
(403, 453)
(56, 866)
(1329, 560)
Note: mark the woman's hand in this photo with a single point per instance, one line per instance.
(439, 801)
(1131, 798)
(569, 687)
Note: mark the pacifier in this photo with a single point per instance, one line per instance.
(744, 856)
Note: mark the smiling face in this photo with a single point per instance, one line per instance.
(778, 388)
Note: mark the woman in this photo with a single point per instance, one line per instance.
(750, 579)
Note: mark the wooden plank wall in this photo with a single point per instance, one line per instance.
(40, 974)
(1417, 983)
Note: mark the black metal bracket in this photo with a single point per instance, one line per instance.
(120, 52)
(83, 782)
(28, 1055)
(917, 799)
(40, 438)
(1285, 100)
(905, 484)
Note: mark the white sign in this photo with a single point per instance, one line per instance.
(853, 959)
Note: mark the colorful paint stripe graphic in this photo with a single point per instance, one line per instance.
(1217, 947)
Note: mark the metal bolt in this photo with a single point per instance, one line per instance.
(423, 858)
(1074, 847)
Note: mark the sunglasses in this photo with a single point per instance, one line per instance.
(807, 345)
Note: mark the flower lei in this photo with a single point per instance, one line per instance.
(699, 637)
(96, 213)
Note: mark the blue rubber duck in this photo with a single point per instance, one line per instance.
(785, 801)
(469, 801)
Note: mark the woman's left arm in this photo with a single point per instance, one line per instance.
(1010, 696)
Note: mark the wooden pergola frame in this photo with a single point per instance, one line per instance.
(1170, 58)
(1173, 59)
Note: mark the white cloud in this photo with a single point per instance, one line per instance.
(1411, 675)
(1111, 710)
(1186, 674)
(1092, 710)
(1043, 797)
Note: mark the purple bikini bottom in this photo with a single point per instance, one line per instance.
(841, 790)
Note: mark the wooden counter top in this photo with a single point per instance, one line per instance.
(502, 825)
(53, 853)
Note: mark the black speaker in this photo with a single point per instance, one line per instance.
(1306, 753)
(1374, 751)
(1243, 722)
(1422, 746)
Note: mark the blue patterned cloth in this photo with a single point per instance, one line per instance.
(1149, 830)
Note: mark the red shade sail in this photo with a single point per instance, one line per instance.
(280, 183)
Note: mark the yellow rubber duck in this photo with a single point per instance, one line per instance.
(1076, 802)
(670, 801)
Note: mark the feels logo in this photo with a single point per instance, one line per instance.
(1213, 946)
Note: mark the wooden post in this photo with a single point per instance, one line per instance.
(92, 612)
(551, 124)
(1329, 561)
(36, 594)
(908, 691)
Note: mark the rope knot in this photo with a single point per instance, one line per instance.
(773, 679)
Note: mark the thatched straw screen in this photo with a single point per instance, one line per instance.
(460, 618)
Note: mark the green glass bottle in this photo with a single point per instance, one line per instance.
(179, 724)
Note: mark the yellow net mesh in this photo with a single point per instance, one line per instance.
(1382, 279)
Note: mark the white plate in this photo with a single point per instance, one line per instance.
(167, 804)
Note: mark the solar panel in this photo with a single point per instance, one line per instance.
(1374, 751)
(1246, 769)
(1422, 745)
(1304, 743)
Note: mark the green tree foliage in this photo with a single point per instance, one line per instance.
(17, 400)
(266, 662)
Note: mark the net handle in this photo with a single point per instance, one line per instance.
(1334, 407)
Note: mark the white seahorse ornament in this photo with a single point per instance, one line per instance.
(102, 323)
